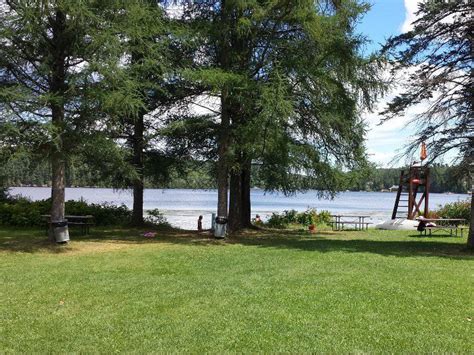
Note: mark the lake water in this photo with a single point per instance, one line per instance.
(182, 207)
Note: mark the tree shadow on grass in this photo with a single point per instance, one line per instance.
(399, 248)
(388, 243)
(32, 241)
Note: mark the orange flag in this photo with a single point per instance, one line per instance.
(423, 153)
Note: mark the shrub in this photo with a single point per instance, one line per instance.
(431, 214)
(310, 216)
(4, 194)
(458, 209)
(21, 212)
(156, 217)
(283, 220)
(324, 217)
(277, 221)
(104, 214)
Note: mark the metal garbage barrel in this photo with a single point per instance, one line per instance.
(220, 229)
(60, 231)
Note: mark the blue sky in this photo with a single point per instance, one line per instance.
(387, 18)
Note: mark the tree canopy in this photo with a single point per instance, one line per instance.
(291, 81)
(439, 55)
(111, 81)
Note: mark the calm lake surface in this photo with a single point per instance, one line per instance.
(182, 207)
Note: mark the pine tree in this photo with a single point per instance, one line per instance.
(143, 37)
(50, 53)
(152, 53)
(291, 81)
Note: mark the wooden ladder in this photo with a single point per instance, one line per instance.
(402, 196)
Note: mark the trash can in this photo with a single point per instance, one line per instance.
(220, 227)
(60, 231)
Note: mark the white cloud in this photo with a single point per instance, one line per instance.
(174, 10)
(384, 142)
(411, 7)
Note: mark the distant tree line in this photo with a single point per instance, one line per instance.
(21, 170)
(443, 178)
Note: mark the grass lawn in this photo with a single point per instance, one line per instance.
(287, 291)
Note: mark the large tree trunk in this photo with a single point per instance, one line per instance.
(246, 203)
(470, 238)
(222, 183)
(222, 164)
(223, 135)
(138, 146)
(239, 206)
(235, 204)
(58, 87)
(58, 170)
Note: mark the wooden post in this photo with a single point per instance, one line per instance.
(399, 192)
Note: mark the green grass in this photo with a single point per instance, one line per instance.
(286, 291)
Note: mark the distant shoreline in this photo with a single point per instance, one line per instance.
(211, 189)
(182, 206)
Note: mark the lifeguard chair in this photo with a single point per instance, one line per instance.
(413, 190)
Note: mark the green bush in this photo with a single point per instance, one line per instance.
(310, 216)
(282, 220)
(4, 194)
(459, 209)
(156, 217)
(277, 221)
(104, 214)
(324, 217)
(306, 218)
(20, 211)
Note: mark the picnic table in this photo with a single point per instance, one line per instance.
(358, 221)
(84, 222)
(442, 224)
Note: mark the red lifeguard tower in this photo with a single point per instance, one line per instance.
(413, 190)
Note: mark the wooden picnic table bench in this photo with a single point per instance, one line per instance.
(84, 222)
(442, 224)
(359, 223)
